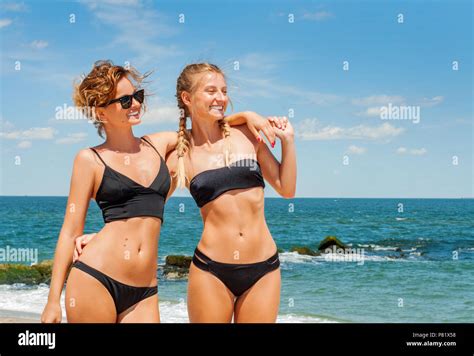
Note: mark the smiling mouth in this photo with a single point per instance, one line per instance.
(134, 113)
(216, 107)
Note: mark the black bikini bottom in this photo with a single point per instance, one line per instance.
(124, 296)
(237, 277)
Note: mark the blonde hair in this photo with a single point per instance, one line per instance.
(99, 87)
(186, 83)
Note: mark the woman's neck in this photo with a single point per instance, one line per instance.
(121, 140)
(205, 132)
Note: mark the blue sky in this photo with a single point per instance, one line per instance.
(292, 58)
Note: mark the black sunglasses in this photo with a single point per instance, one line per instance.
(126, 100)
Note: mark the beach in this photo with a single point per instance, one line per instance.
(16, 317)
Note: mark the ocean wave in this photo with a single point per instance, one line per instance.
(295, 257)
(401, 219)
(330, 257)
(365, 258)
(294, 318)
(26, 298)
(374, 247)
(32, 299)
(379, 248)
(176, 312)
(385, 248)
(19, 298)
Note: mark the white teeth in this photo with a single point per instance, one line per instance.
(218, 107)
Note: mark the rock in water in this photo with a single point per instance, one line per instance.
(19, 273)
(177, 266)
(330, 241)
(303, 250)
(178, 261)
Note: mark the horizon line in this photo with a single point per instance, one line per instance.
(65, 196)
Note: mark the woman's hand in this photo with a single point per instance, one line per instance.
(52, 313)
(80, 243)
(282, 127)
(257, 123)
(280, 175)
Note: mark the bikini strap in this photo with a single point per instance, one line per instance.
(147, 141)
(202, 256)
(98, 155)
(200, 260)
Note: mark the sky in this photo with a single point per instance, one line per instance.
(380, 92)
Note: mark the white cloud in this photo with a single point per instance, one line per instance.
(430, 102)
(419, 151)
(24, 144)
(72, 138)
(317, 16)
(311, 129)
(14, 7)
(30, 52)
(39, 44)
(371, 112)
(356, 150)
(378, 100)
(256, 61)
(5, 23)
(6, 125)
(161, 114)
(463, 121)
(35, 133)
(138, 28)
(414, 151)
(24, 137)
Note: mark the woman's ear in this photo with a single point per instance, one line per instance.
(100, 113)
(186, 97)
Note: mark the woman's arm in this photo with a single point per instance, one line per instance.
(170, 138)
(81, 190)
(281, 176)
(255, 123)
(172, 163)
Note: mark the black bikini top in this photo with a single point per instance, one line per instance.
(120, 197)
(209, 185)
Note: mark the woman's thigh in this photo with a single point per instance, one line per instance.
(209, 300)
(87, 300)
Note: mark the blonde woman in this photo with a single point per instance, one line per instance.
(114, 280)
(235, 271)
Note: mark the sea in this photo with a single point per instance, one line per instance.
(412, 260)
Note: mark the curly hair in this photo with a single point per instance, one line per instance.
(99, 87)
